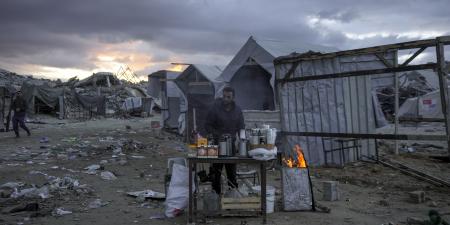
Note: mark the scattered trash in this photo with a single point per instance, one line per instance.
(12, 185)
(408, 149)
(147, 194)
(97, 203)
(42, 192)
(138, 157)
(60, 212)
(44, 140)
(106, 139)
(106, 175)
(158, 216)
(92, 169)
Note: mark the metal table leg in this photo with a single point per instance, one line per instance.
(263, 191)
(190, 213)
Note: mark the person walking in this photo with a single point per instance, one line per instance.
(19, 106)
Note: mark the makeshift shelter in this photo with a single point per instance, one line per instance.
(199, 84)
(162, 87)
(42, 98)
(251, 72)
(4, 92)
(426, 106)
(314, 111)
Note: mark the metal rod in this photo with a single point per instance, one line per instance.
(415, 173)
(405, 171)
(368, 136)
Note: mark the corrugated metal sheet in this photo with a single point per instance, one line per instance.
(341, 105)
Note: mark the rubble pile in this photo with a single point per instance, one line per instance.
(10, 78)
(412, 84)
(99, 95)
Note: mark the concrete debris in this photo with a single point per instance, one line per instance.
(330, 191)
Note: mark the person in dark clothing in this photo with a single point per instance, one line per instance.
(19, 107)
(225, 117)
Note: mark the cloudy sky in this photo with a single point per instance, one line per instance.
(54, 38)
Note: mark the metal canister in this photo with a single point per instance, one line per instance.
(222, 148)
(243, 148)
(254, 140)
(229, 145)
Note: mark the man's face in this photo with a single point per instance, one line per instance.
(19, 93)
(228, 97)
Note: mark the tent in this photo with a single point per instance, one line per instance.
(425, 106)
(41, 95)
(199, 84)
(162, 87)
(251, 72)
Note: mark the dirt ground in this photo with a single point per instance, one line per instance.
(369, 193)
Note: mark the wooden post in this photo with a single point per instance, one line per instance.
(443, 88)
(396, 87)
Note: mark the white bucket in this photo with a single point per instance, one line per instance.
(270, 197)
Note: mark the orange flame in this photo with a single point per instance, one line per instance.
(299, 162)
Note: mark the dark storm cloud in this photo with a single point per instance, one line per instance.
(61, 33)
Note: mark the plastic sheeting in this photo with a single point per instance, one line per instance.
(425, 106)
(341, 105)
(48, 95)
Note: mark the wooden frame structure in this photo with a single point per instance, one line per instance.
(439, 66)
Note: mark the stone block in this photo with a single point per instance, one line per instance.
(330, 191)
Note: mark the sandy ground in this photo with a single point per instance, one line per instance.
(369, 193)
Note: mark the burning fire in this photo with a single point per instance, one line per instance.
(299, 162)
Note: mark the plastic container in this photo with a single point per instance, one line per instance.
(270, 197)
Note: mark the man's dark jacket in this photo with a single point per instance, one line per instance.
(219, 121)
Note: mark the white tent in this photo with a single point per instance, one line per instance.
(251, 72)
(199, 84)
(425, 106)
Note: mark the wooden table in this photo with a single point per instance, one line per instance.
(192, 163)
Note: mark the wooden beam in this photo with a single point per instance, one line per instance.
(371, 50)
(360, 73)
(444, 39)
(368, 136)
(419, 120)
(290, 72)
(414, 56)
(443, 88)
(385, 62)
